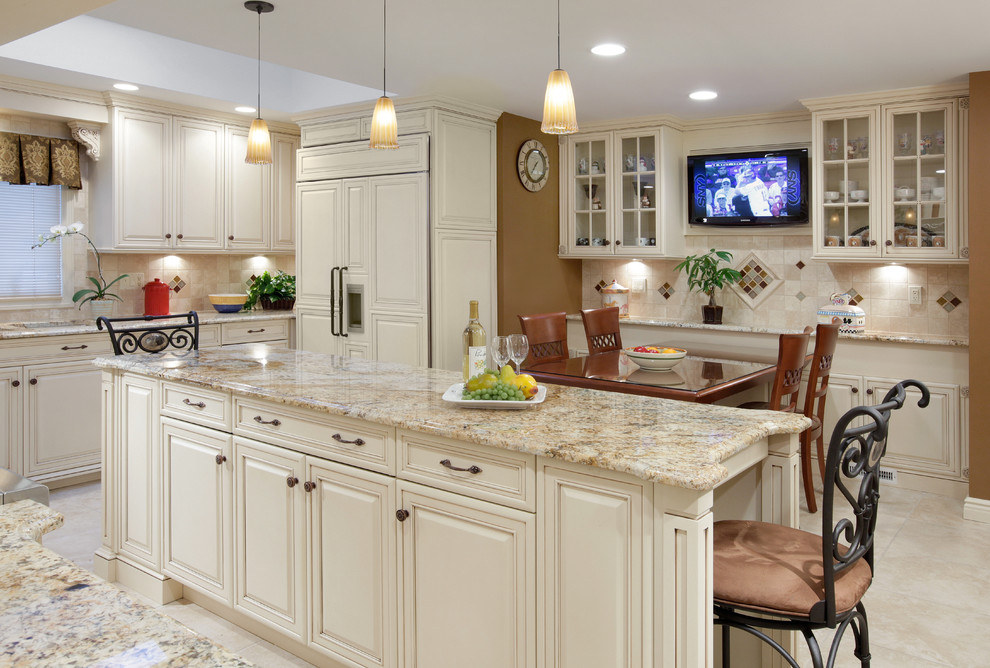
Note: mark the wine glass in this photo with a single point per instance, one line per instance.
(518, 349)
(500, 351)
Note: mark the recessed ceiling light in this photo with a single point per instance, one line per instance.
(608, 49)
(123, 86)
(940, 171)
(245, 110)
(703, 95)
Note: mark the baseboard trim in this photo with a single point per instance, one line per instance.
(977, 510)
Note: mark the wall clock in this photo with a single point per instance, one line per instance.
(534, 165)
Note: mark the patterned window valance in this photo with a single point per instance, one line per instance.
(41, 160)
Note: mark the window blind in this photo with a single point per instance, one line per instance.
(27, 211)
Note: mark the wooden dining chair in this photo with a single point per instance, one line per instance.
(547, 334)
(791, 358)
(826, 337)
(601, 328)
(769, 576)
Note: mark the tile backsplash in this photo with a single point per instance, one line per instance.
(784, 287)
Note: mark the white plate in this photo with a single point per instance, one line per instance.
(456, 391)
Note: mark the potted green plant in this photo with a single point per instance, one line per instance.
(99, 296)
(705, 274)
(276, 292)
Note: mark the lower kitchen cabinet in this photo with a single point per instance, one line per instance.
(197, 508)
(468, 581)
(11, 391)
(139, 473)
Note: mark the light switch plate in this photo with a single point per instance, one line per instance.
(914, 295)
(638, 285)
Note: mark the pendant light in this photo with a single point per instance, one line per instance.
(559, 113)
(259, 142)
(384, 127)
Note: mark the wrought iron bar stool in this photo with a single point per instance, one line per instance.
(826, 337)
(800, 581)
(547, 334)
(601, 328)
(182, 333)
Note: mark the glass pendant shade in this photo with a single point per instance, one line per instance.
(384, 128)
(259, 144)
(559, 113)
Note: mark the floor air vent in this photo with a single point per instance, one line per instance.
(888, 475)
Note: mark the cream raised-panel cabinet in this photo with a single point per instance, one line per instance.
(352, 547)
(468, 581)
(198, 177)
(11, 391)
(142, 203)
(138, 475)
(270, 535)
(596, 533)
(62, 420)
(247, 211)
(197, 508)
(283, 234)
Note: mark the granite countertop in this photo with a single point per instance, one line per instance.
(889, 337)
(672, 442)
(53, 613)
(22, 330)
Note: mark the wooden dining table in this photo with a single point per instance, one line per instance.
(698, 379)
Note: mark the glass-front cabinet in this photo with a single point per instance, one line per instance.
(886, 182)
(617, 189)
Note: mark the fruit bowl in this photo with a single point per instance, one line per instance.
(228, 303)
(656, 358)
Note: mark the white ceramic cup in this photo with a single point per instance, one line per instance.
(859, 195)
(831, 195)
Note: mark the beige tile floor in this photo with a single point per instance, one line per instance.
(929, 604)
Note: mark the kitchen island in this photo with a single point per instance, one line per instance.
(341, 509)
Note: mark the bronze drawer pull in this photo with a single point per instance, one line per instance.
(274, 423)
(471, 469)
(221, 459)
(309, 486)
(256, 331)
(292, 481)
(82, 347)
(198, 404)
(339, 439)
(402, 514)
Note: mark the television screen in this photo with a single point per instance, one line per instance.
(748, 189)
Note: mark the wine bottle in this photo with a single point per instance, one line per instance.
(475, 350)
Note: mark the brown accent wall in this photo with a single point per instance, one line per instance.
(531, 278)
(979, 274)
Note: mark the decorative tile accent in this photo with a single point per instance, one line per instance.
(800, 264)
(801, 296)
(948, 301)
(854, 297)
(667, 290)
(601, 284)
(176, 284)
(758, 280)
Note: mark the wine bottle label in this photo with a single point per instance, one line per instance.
(477, 357)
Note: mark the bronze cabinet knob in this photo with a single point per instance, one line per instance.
(221, 459)
(292, 481)
(178, 236)
(402, 514)
(33, 381)
(309, 486)
(168, 235)
(15, 383)
(231, 237)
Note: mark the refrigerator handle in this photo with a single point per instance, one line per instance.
(333, 304)
(340, 296)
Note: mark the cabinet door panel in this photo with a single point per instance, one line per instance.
(142, 186)
(248, 213)
(319, 207)
(355, 241)
(70, 443)
(138, 461)
(844, 392)
(353, 563)
(283, 191)
(197, 507)
(198, 178)
(400, 338)
(269, 533)
(468, 570)
(314, 333)
(10, 418)
(399, 210)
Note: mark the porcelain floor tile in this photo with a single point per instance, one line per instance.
(263, 653)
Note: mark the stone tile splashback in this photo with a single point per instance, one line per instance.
(879, 289)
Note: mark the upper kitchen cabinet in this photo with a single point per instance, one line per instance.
(886, 182)
(175, 180)
(620, 194)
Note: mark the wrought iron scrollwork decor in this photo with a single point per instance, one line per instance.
(180, 332)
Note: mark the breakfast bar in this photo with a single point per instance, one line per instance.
(348, 513)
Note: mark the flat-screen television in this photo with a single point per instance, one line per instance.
(749, 189)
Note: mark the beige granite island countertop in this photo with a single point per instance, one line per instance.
(53, 613)
(671, 442)
(23, 330)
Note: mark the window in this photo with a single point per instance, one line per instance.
(27, 274)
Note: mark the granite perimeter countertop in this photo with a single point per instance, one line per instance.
(888, 337)
(53, 613)
(22, 330)
(672, 442)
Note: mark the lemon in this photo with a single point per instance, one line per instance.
(527, 384)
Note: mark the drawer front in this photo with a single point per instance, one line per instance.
(364, 444)
(56, 348)
(197, 405)
(253, 332)
(490, 474)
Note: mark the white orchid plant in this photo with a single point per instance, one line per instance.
(101, 287)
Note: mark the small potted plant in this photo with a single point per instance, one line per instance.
(705, 275)
(276, 292)
(99, 297)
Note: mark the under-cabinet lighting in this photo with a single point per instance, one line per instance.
(703, 95)
(125, 86)
(608, 50)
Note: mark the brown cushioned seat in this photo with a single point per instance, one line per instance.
(755, 405)
(778, 570)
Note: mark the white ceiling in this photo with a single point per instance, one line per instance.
(761, 56)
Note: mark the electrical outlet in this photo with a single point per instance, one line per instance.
(914, 295)
(134, 281)
(638, 285)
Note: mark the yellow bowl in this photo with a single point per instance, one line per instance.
(228, 303)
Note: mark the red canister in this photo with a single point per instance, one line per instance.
(156, 298)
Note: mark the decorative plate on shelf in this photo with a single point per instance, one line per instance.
(456, 391)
